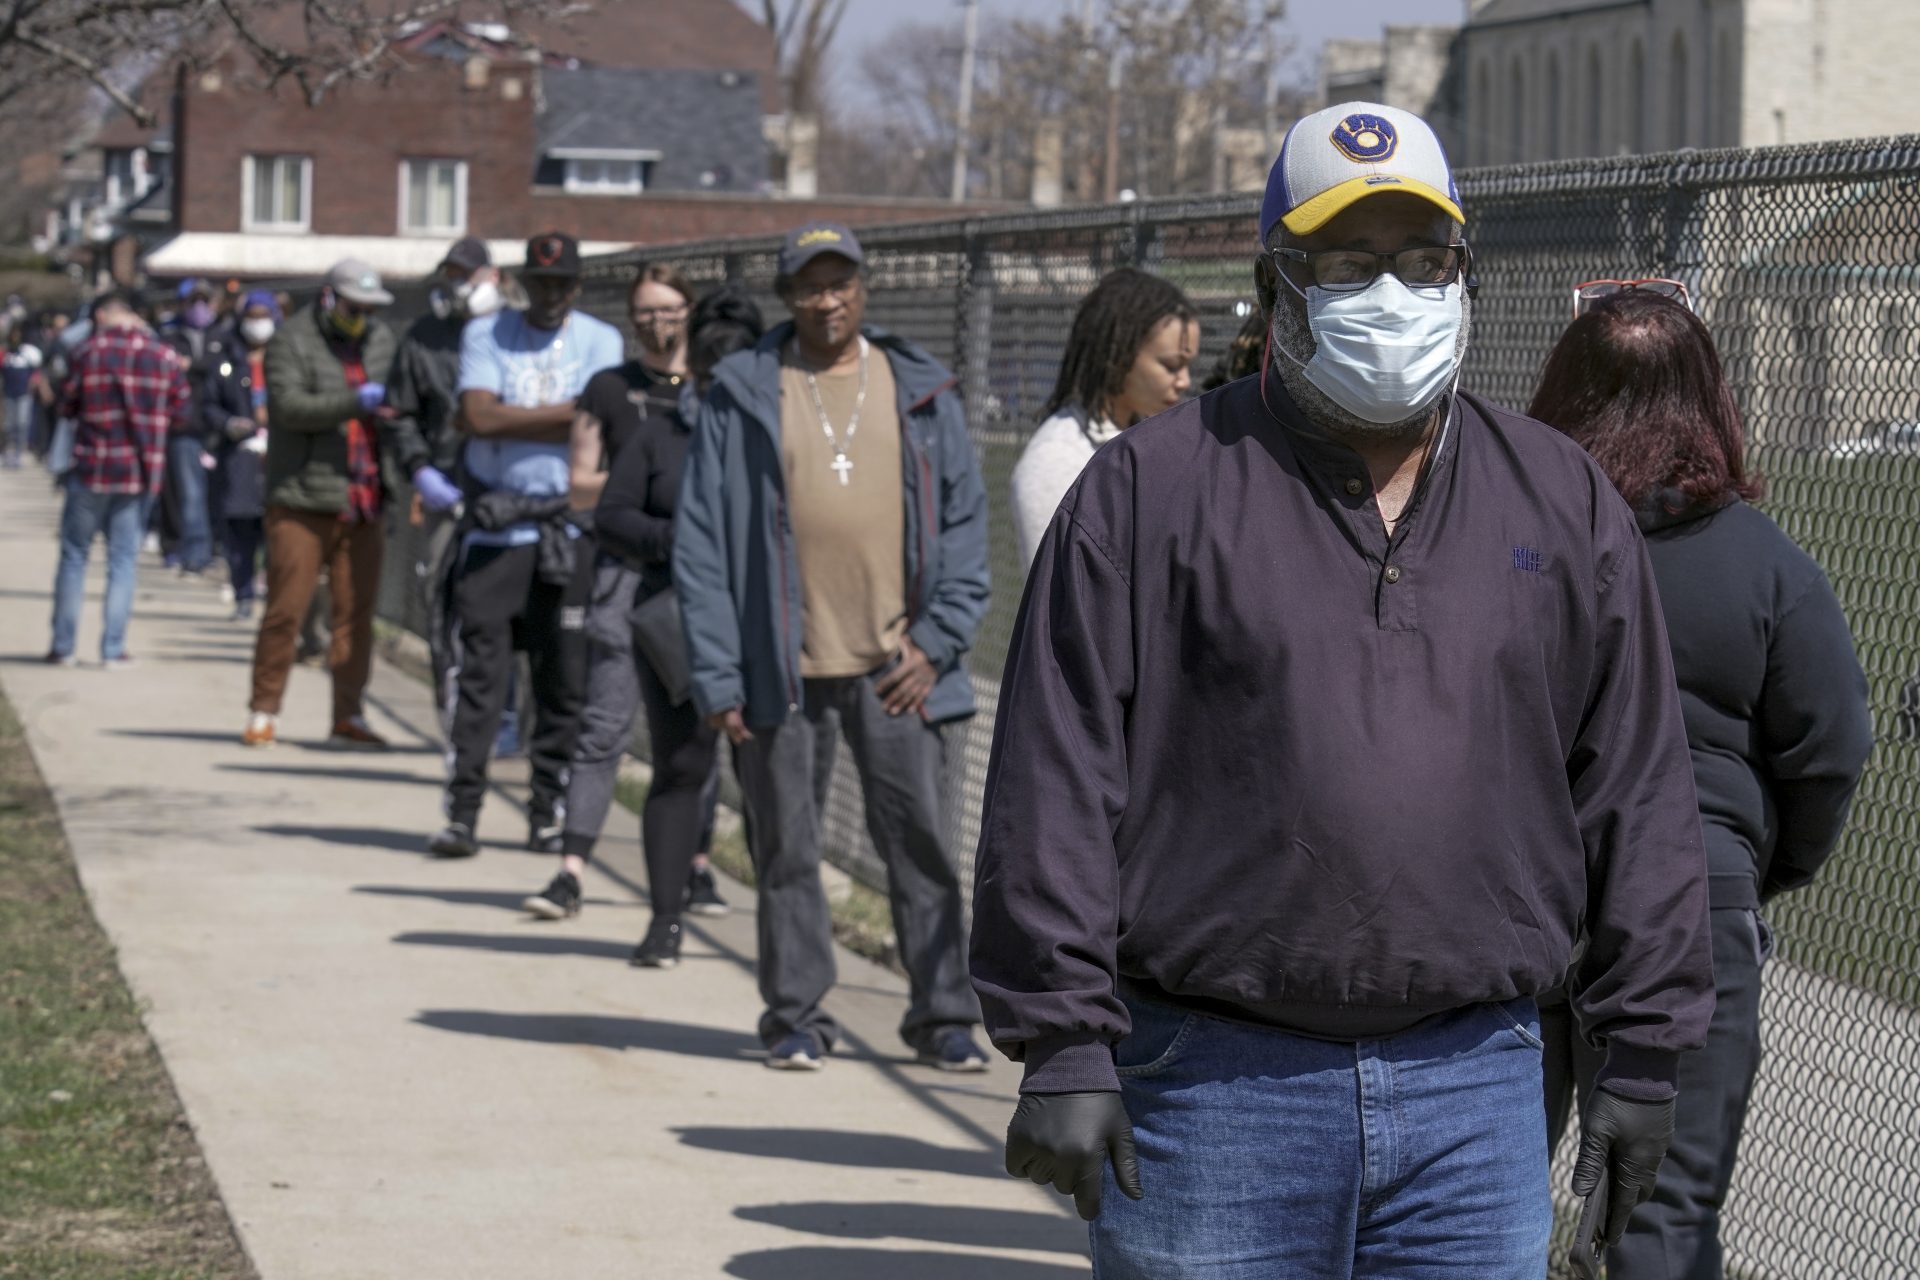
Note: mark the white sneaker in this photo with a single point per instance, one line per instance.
(226, 593)
(260, 730)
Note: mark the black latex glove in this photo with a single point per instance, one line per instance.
(1067, 1138)
(1622, 1141)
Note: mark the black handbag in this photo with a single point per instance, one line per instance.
(659, 639)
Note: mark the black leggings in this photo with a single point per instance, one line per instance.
(674, 823)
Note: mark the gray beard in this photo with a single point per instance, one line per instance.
(1292, 336)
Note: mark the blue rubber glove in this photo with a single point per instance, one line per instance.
(437, 493)
(371, 396)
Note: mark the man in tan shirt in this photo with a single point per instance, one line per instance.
(830, 555)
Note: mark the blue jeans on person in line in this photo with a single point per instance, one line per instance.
(189, 479)
(123, 518)
(19, 411)
(1263, 1154)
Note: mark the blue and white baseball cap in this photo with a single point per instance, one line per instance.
(1337, 157)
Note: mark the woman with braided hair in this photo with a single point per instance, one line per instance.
(1128, 358)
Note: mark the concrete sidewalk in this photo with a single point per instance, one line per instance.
(393, 1073)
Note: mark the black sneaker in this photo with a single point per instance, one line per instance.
(544, 833)
(559, 900)
(455, 841)
(703, 895)
(954, 1050)
(660, 949)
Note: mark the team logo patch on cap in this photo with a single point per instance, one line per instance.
(1365, 139)
(819, 235)
(547, 251)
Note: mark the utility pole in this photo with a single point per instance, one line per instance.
(1111, 185)
(963, 115)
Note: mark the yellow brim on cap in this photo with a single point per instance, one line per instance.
(1323, 208)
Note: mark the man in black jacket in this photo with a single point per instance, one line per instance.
(1339, 706)
(423, 435)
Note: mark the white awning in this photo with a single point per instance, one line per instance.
(263, 255)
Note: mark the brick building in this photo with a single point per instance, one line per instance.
(661, 134)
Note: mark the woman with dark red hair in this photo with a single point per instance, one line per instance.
(1776, 716)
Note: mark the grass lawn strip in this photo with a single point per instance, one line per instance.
(100, 1175)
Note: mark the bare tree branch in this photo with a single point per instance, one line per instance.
(87, 67)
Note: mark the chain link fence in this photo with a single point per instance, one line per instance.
(1805, 263)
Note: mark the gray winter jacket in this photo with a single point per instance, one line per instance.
(733, 555)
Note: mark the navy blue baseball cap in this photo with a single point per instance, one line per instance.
(806, 243)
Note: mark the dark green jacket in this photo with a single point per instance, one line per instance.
(308, 404)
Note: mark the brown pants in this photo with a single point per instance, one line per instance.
(299, 544)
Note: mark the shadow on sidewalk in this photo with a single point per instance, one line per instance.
(322, 773)
(469, 897)
(935, 1223)
(823, 1263)
(524, 944)
(598, 1031)
(353, 837)
(854, 1150)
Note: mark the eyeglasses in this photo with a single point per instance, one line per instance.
(1592, 291)
(807, 295)
(1350, 270)
(646, 315)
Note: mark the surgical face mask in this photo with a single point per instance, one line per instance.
(1383, 352)
(257, 330)
(477, 298)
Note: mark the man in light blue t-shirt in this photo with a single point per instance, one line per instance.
(520, 375)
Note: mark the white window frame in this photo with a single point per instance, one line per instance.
(459, 225)
(248, 222)
(573, 157)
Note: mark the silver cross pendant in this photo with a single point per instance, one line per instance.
(844, 465)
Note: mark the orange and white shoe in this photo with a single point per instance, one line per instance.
(354, 734)
(259, 731)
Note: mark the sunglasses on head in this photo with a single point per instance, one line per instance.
(1592, 291)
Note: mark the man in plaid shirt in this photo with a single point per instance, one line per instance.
(125, 391)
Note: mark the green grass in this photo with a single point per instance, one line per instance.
(100, 1177)
(1860, 518)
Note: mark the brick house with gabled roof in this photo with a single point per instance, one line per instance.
(640, 122)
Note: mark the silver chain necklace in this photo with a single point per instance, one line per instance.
(841, 464)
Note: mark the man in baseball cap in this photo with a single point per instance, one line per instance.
(358, 283)
(1340, 706)
(805, 243)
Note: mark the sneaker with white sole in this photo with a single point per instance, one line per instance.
(119, 662)
(660, 949)
(260, 730)
(796, 1051)
(953, 1049)
(703, 894)
(558, 901)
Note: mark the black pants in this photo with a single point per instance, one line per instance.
(1676, 1235)
(678, 817)
(501, 604)
(244, 537)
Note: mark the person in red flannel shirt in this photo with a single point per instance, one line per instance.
(125, 391)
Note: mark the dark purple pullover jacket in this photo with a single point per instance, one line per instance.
(1256, 760)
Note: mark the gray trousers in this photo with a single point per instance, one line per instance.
(612, 702)
(900, 760)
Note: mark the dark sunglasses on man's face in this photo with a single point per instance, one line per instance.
(1350, 270)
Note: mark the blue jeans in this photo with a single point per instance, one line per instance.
(19, 427)
(123, 518)
(192, 515)
(1264, 1154)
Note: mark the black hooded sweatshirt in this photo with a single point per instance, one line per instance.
(1774, 699)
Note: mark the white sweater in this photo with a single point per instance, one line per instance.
(1049, 465)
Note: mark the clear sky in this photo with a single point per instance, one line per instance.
(1310, 22)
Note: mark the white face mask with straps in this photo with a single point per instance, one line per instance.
(1383, 351)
